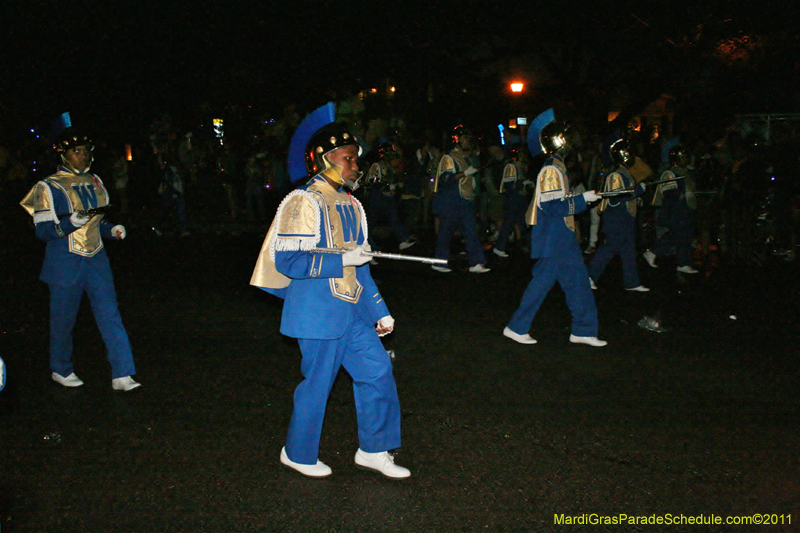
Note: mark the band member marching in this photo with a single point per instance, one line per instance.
(515, 189)
(67, 211)
(677, 203)
(331, 303)
(553, 242)
(382, 199)
(454, 203)
(619, 219)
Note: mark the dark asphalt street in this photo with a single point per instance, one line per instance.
(701, 419)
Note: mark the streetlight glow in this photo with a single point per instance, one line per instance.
(517, 86)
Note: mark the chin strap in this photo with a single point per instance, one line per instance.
(72, 169)
(333, 172)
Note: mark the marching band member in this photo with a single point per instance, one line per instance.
(383, 194)
(331, 303)
(553, 242)
(515, 189)
(454, 203)
(619, 220)
(75, 259)
(675, 196)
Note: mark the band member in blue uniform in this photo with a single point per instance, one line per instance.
(331, 303)
(383, 204)
(677, 202)
(454, 203)
(75, 259)
(515, 189)
(553, 241)
(619, 220)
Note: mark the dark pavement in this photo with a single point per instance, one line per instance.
(701, 419)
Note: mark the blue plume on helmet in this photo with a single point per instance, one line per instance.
(320, 117)
(534, 142)
(669, 145)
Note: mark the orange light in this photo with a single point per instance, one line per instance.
(373, 90)
(128, 152)
(517, 86)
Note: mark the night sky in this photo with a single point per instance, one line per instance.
(126, 61)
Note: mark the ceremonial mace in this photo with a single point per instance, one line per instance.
(382, 255)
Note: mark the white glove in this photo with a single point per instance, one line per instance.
(470, 171)
(118, 231)
(591, 196)
(385, 326)
(355, 257)
(78, 220)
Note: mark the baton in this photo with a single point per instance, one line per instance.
(94, 211)
(666, 181)
(618, 192)
(402, 257)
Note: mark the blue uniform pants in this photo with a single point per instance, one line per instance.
(65, 301)
(363, 356)
(680, 232)
(571, 274)
(459, 214)
(514, 207)
(622, 241)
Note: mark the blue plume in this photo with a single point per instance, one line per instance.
(319, 118)
(62, 122)
(544, 118)
(669, 145)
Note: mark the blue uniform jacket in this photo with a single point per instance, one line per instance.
(310, 309)
(616, 217)
(62, 267)
(551, 236)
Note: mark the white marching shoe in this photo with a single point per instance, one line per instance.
(70, 381)
(639, 288)
(592, 285)
(444, 269)
(318, 470)
(499, 253)
(687, 269)
(124, 384)
(382, 462)
(591, 341)
(650, 257)
(479, 269)
(406, 244)
(514, 336)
